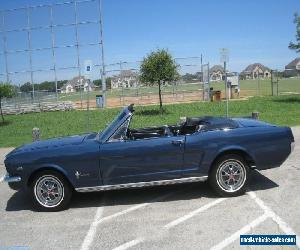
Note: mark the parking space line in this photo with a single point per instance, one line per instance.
(133, 208)
(280, 222)
(88, 240)
(193, 213)
(237, 234)
(92, 230)
(122, 212)
(129, 244)
(181, 219)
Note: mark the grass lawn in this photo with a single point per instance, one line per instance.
(261, 87)
(281, 110)
(256, 87)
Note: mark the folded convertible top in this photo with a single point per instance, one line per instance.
(211, 123)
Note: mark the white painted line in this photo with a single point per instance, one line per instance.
(193, 213)
(88, 240)
(186, 217)
(130, 209)
(282, 224)
(122, 212)
(2, 178)
(129, 244)
(92, 230)
(237, 234)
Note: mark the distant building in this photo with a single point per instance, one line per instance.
(126, 79)
(256, 70)
(293, 68)
(77, 83)
(216, 73)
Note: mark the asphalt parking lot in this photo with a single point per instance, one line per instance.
(187, 216)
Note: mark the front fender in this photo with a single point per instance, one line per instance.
(30, 174)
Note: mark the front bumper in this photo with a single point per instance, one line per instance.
(9, 179)
(14, 182)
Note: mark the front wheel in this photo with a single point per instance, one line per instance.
(50, 191)
(229, 176)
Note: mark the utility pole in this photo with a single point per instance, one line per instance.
(224, 58)
(30, 51)
(122, 82)
(226, 89)
(272, 83)
(103, 78)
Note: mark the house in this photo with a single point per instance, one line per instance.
(126, 79)
(77, 83)
(293, 68)
(216, 73)
(256, 70)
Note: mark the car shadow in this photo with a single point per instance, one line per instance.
(189, 191)
(261, 182)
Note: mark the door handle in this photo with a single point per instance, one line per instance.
(177, 142)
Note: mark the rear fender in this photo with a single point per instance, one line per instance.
(234, 149)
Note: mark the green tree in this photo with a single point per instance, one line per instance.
(296, 45)
(26, 87)
(158, 67)
(98, 82)
(46, 85)
(6, 90)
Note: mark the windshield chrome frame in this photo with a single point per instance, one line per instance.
(111, 128)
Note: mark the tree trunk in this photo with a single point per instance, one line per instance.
(159, 93)
(1, 111)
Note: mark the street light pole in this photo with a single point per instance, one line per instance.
(102, 56)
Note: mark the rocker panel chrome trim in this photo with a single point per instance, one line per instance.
(141, 184)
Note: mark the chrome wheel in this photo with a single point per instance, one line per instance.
(231, 175)
(49, 191)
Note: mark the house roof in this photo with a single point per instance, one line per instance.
(216, 68)
(125, 73)
(75, 82)
(252, 67)
(293, 63)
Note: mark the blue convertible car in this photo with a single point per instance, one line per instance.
(220, 150)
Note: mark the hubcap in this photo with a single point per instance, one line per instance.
(49, 191)
(231, 175)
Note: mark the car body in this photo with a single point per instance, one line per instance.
(121, 157)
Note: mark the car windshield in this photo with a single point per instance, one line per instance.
(113, 125)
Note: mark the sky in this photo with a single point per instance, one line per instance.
(252, 31)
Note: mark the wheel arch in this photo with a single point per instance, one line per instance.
(52, 168)
(235, 150)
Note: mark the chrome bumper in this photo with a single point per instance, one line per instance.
(292, 146)
(9, 179)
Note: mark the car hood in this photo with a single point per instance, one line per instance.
(50, 143)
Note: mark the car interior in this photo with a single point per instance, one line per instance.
(188, 126)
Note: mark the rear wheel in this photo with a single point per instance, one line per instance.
(50, 191)
(229, 176)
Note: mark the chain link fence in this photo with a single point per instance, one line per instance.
(47, 50)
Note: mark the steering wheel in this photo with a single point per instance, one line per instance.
(129, 135)
(167, 131)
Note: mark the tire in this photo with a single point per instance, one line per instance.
(50, 191)
(230, 175)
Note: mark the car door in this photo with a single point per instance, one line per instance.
(129, 161)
